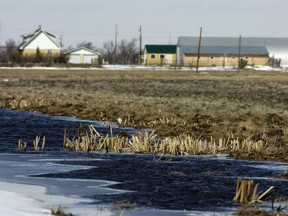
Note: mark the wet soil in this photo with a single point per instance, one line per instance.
(246, 105)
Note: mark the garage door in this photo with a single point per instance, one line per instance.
(74, 59)
(88, 59)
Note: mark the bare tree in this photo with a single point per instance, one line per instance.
(126, 52)
(108, 51)
(10, 46)
(87, 44)
(11, 51)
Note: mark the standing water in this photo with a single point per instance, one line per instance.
(179, 185)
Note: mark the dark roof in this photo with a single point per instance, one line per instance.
(28, 38)
(39, 29)
(161, 48)
(277, 47)
(233, 41)
(248, 50)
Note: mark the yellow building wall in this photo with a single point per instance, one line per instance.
(81, 59)
(158, 61)
(44, 52)
(208, 61)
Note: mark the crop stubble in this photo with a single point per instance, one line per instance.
(245, 105)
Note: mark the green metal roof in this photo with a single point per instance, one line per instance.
(161, 48)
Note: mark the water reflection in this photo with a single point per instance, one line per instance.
(163, 182)
(15, 125)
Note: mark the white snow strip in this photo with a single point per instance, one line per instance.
(16, 204)
(151, 68)
(32, 200)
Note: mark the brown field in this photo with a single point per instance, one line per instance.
(229, 105)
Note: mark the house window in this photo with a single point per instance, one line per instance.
(49, 52)
(153, 56)
(212, 57)
(162, 56)
(247, 57)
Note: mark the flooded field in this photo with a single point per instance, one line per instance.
(251, 105)
(181, 185)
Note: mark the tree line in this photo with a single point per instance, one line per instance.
(124, 52)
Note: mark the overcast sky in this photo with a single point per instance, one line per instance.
(162, 20)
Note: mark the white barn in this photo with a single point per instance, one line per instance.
(276, 47)
(83, 55)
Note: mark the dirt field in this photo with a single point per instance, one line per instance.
(251, 105)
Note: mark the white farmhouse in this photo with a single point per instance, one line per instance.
(40, 40)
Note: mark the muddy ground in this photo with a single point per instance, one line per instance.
(249, 104)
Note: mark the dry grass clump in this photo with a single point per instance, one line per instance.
(249, 197)
(22, 145)
(123, 205)
(60, 212)
(36, 143)
(92, 140)
(243, 192)
(77, 139)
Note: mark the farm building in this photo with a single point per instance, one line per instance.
(160, 54)
(40, 40)
(225, 56)
(277, 47)
(83, 55)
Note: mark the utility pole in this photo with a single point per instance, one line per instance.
(61, 41)
(116, 37)
(199, 50)
(239, 53)
(140, 50)
(0, 32)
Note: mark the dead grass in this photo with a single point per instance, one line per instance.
(246, 106)
(84, 140)
(123, 205)
(22, 145)
(247, 194)
(60, 212)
